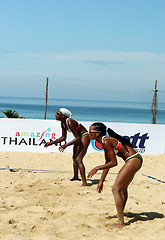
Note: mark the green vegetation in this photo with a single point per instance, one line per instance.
(12, 114)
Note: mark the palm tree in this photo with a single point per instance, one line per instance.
(12, 114)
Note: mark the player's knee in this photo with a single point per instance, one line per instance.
(115, 189)
(74, 161)
(78, 160)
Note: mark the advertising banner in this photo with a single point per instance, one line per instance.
(32, 134)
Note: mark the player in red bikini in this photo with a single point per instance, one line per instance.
(113, 145)
(80, 142)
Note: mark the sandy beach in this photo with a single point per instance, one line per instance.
(42, 202)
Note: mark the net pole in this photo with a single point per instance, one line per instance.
(46, 100)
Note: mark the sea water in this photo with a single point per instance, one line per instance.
(84, 110)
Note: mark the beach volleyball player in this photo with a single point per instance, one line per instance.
(80, 142)
(113, 145)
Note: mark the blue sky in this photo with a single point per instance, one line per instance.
(89, 49)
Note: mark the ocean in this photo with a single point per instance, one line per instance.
(84, 110)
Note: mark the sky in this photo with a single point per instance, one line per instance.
(88, 49)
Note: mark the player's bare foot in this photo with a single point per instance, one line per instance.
(117, 225)
(84, 184)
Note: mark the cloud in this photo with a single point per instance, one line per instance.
(4, 51)
(103, 57)
(103, 63)
(136, 70)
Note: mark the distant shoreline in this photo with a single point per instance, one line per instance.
(84, 110)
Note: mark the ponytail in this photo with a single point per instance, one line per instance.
(121, 139)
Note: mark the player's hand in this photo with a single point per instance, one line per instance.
(92, 172)
(62, 148)
(100, 187)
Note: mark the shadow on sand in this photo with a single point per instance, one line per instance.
(145, 216)
(93, 182)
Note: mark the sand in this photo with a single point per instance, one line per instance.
(46, 205)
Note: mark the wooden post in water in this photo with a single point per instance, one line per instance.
(155, 102)
(46, 100)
